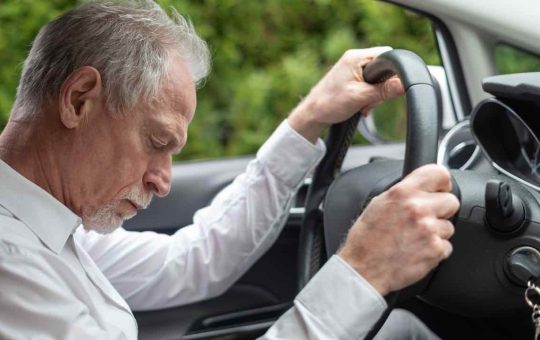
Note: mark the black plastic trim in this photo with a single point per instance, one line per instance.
(246, 330)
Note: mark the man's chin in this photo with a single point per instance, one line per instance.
(106, 222)
(102, 229)
(105, 227)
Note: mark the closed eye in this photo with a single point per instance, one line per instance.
(157, 143)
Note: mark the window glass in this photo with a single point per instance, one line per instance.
(509, 59)
(390, 119)
(266, 56)
(402, 29)
(256, 82)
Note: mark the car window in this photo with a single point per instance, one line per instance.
(255, 82)
(411, 31)
(266, 56)
(509, 59)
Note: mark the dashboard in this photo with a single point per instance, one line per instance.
(502, 131)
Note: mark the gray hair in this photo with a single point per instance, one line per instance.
(129, 42)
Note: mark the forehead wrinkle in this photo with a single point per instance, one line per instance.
(169, 125)
(161, 120)
(179, 88)
(181, 104)
(170, 103)
(173, 98)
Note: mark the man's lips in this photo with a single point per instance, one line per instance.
(135, 205)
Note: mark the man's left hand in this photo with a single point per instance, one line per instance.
(341, 93)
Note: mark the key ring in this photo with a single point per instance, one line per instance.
(532, 292)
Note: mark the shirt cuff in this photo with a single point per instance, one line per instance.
(289, 155)
(342, 300)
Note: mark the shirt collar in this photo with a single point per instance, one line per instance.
(49, 219)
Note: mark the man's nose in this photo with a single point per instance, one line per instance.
(158, 178)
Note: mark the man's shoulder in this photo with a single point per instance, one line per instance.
(22, 252)
(15, 237)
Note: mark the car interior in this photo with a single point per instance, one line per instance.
(471, 115)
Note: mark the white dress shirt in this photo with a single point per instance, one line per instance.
(58, 281)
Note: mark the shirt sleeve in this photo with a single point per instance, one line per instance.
(200, 261)
(336, 304)
(35, 300)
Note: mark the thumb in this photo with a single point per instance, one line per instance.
(391, 88)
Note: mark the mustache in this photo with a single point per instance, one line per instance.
(139, 198)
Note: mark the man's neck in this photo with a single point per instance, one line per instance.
(24, 148)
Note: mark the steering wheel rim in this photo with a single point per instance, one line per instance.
(420, 148)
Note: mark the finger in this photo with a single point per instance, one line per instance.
(367, 53)
(427, 259)
(430, 178)
(444, 229)
(375, 94)
(443, 205)
(369, 95)
(390, 89)
(366, 111)
(438, 250)
(358, 58)
(446, 249)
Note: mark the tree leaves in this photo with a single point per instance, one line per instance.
(266, 56)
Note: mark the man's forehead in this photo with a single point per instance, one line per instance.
(173, 108)
(180, 87)
(180, 100)
(167, 126)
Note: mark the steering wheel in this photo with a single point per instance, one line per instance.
(496, 244)
(420, 149)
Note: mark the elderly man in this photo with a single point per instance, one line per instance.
(105, 99)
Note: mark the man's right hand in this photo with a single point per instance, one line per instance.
(403, 233)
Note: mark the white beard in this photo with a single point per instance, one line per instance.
(107, 219)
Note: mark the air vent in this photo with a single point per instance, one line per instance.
(458, 149)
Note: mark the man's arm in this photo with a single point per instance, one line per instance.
(336, 304)
(401, 235)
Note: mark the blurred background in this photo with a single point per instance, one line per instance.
(266, 56)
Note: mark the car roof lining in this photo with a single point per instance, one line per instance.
(518, 26)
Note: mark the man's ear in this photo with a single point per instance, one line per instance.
(80, 95)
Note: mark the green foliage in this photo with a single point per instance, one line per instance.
(391, 119)
(512, 60)
(266, 56)
(20, 21)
